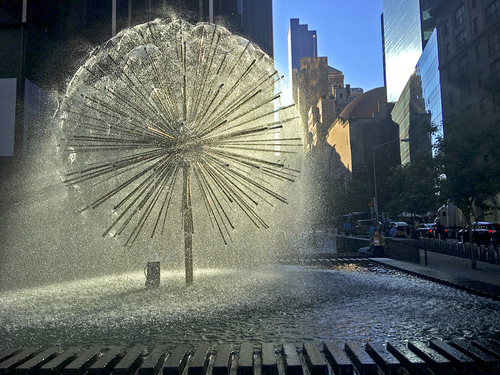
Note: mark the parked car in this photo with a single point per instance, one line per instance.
(426, 230)
(362, 227)
(483, 232)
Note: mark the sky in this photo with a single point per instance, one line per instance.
(348, 32)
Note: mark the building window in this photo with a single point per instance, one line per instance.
(495, 69)
(451, 99)
(463, 65)
(461, 38)
(494, 42)
(449, 74)
(448, 49)
(464, 91)
(480, 79)
(446, 27)
(460, 15)
(496, 101)
(478, 52)
(467, 111)
(491, 11)
(475, 25)
(481, 106)
(473, 2)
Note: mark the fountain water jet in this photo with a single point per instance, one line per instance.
(163, 108)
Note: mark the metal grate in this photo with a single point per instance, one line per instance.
(309, 358)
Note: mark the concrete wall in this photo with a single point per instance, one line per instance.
(350, 244)
(403, 249)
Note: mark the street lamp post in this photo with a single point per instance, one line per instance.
(375, 203)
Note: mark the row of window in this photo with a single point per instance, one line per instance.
(491, 13)
(493, 42)
(464, 95)
(464, 68)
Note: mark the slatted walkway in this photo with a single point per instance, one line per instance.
(309, 358)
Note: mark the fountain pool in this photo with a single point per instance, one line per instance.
(262, 304)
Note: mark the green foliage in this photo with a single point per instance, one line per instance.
(346, 197)
(414, 187)
(468, 158)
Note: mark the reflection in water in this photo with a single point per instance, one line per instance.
(284, 303)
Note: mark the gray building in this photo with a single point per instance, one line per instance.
(469, 55)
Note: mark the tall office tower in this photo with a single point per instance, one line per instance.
(302, 42)
(407, 25)
(257, 23)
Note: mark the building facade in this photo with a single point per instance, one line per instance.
(320, 117)
(42, 43)
(427, 71)
(413, 121)
(335, 79)
(419, 105)
(365, 123)
(407, 25)
(309, 84)
(320, 95)
(302, 42)
(469, 55)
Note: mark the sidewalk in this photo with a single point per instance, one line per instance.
(453, 271)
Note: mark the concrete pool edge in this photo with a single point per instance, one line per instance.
(454, 272)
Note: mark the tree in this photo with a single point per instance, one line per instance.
(350, 196)
(414, 187)
(468, 159)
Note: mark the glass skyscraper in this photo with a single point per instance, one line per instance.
(428, 71)
(406, 27)
(420, 103)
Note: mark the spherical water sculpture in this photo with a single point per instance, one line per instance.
(174, 115)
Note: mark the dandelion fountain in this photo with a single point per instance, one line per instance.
(165, 109)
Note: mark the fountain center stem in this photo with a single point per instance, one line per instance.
(187, 146)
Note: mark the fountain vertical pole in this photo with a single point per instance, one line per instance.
(187, 224)
(186, 199)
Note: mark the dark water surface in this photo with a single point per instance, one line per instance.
(264, 304)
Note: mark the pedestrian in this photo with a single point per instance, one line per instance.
(347, 228)
(373, 228)
(413, 232)
(393, 231)
(440, 233)
(377, 243)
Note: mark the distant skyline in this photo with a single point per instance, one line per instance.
(349, 34)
